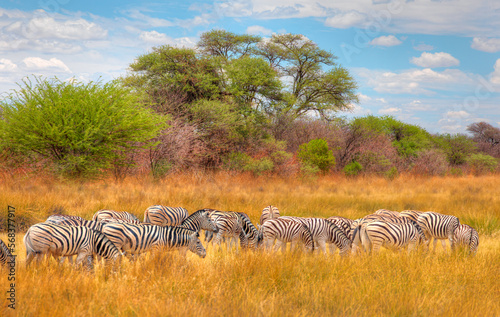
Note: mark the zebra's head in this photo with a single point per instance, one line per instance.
(207, 223)
(195, 245)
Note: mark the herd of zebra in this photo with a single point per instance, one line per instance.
(113, 234)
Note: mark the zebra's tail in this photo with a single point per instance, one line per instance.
(356, 238)
(146, 217)
(365, 239)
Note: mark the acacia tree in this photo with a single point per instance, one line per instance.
(83, 128)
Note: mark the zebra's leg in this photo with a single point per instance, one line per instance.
(278, 245)
(29, 257)
(80, 258)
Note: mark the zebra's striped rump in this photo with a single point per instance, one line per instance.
(269, 212)
(165, 216)
(411, 214)
(344, 224)
(467, 236)
(378, 234)
(284, 231)
(56, 240)
(136, 239)
(122, 216)
(387, 213)
(5, 255)
(438, 226)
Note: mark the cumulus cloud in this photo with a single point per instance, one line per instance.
(391, 110)
(486, 44)
(157, 38)
(389, 40)
(6, 65)
(433, 60)
(257, 29)
(346, 20)
(40, 64)
(495, 76)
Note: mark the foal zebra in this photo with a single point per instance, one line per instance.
(324, 231)
(390, 235)
(467, 236)
(136, 239)
(269, 212)
(51, 239)
(115, 215)
(165, 216)
(5, 255)
(285, 230)
(438, 226)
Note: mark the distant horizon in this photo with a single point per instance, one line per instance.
(430, 63)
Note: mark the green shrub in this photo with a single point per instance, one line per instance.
(236, 161)
(315, 153)
(392, 173)
(161, 168)
(259, 166)
(481, 163)
(353, 168)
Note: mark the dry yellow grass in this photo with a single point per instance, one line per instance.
(270, 284)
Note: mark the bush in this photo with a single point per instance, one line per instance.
(353, 169)
(83, 128)
(259, 166)
(316, 154)
(481, 163)
(242, 162)
(430, 162)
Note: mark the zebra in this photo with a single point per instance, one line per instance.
(269, 212)
(324, 231)
(58, 217)
(119, 215)
(390, 235)
(285, 230)
(63, 221)
(467, 236)
(361, 223)
(439, 227)
(250, 230)
(5, 255)
(412, 214)
(135, 239)
(344, 224)
(387, 213)
(56, 240)
(165, 216)
(199, 220)
(229, 225)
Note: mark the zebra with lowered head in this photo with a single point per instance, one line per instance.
(391, 235)
(283, 231)
(165, 216)
(56, 240)
(468, 237)
(230, 226)
(136, 239)
(438, 226)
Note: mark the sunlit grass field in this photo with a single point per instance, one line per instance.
(252, 283)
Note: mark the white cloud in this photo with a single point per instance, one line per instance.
(154, 37)
(363, 98)
(423, 47)
(358, 111)
(346, 20)
(39, 64)
(495, 76)
(391, 110)
(432, 60)
(6, 65)
(486, 44)
(460, 114)
(389, 40)
(257, 29)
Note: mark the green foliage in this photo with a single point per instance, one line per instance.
(315, 153)
(160, 168)
(457, 147)
(82, 128)
(237, 161)
(482, 163)
(408, 139)
(353, 169)
(226, 44)
(392, 173)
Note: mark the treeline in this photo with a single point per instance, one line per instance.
(235, 102)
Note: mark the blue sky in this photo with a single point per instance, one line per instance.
(427, 62)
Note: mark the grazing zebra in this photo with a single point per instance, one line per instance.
(387, 234)
(136, 239)
(412, 214)
(5, 255)
(284, 231)
(165, 216)
(387, 213)
(324, 231)
(115, 215)
(199, 220)
(467, 236)
(250, 231)
(344, 224)
(51, 239)
(229, 225)
(269, 212)
(438, 226)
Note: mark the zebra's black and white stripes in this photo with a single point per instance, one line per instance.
(377, 234)
(269, 212)
(165, 216)
(438, 226)
(5, 255)
(121, 216)
(283, 231)
(468, 237)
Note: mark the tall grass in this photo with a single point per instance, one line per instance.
(234, 283)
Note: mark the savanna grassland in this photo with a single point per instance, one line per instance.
(251, 283)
